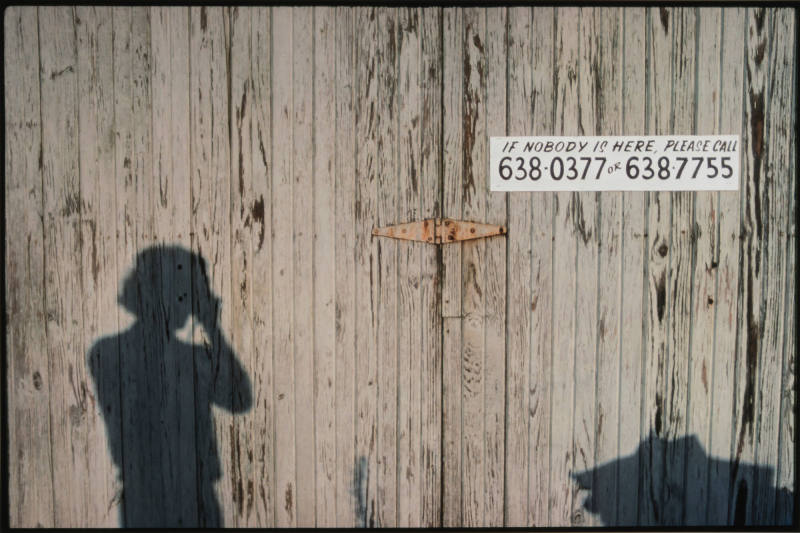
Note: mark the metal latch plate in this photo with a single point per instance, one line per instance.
(439, 230)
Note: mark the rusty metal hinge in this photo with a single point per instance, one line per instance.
(439, 230)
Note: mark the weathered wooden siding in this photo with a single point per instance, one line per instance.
(629, 353)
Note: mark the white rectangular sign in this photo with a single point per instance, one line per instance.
(626, 163)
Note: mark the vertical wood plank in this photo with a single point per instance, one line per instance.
(518, 327)
(135, 225)
(473, 149)
(366, 474)
(180, 233)
(141, 379)
(283, 276)
(243, 232)
(750, 325)
(727, 299)
(661, 24)
(324, 123)
(211, 227)
(452, 32)
(169, 30)
(453, 195)
(605, 53)
(585, 219)
(261, 368)
(386, 256)
(634, 284)
(540, 403)
(785, 509)
(98, 261)
(346, 461)
(303, 233)
(705, 272)
(409, 288)
(495, 285)
(239, 86)
(430, 182)
(775, 211)
(680, 289)
(62, 266)
(30, 481)
(566, 220)
(451, 476)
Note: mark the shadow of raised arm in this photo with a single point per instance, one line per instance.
(226, 368)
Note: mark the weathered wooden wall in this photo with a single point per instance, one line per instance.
(398, 383)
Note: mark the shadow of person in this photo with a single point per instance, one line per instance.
(156, 390)
(667, 496)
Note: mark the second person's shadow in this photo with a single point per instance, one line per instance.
(618, 499)
(156, 391)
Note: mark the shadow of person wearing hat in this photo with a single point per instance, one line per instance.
(156, 390)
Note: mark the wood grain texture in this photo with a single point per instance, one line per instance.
(409, 282)
(209, 34)
(775, 207)
(530, 41)
(585, 217)
(261, 364)
(430, 179)
(239, 87)
(660, 31)
(302, 231)
(366, 97)
(518, 327)
(605, 55)
(344, 252)
(135, 227)
(727, 299)
(98, 261)
(567, 223)
(633, 281)
(785, 480)
(473, 279)
(705, 272)
(496, 46)
(247, 280)
(618, 358)
(386, 280)
(682, 249)
(171, 170)
(785, 511)
(541, 403)
(324, 135)
(452, 102)
(62, 266)
(283, 277)
(750, 325)
(30, 482)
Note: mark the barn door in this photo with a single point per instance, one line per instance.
(612, 358)
(604, 363)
